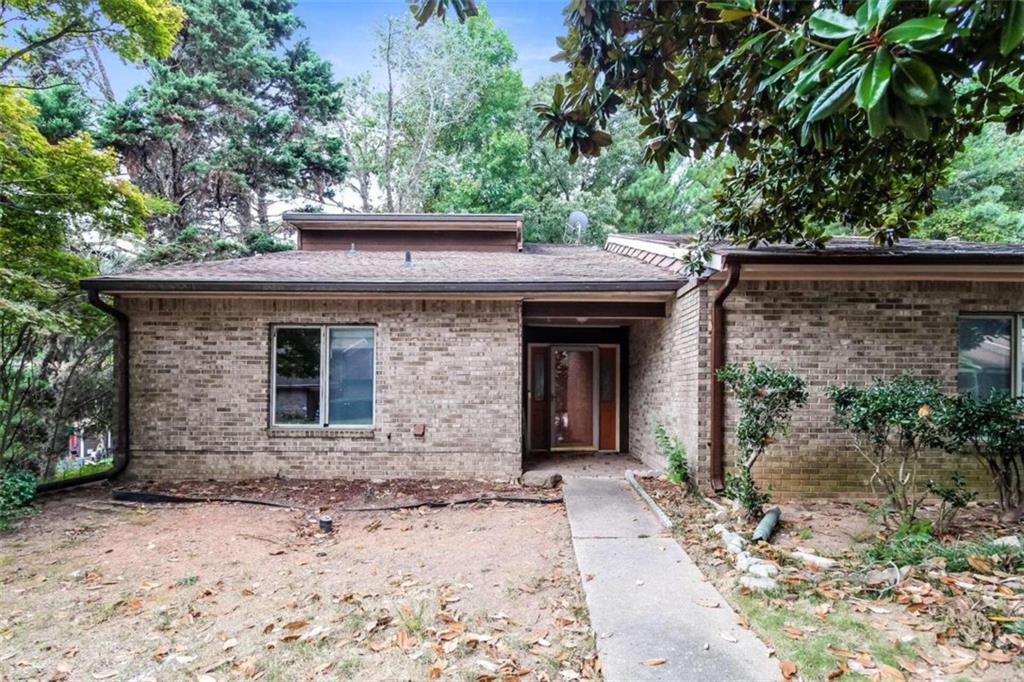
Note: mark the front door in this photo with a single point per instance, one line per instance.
(574, 418)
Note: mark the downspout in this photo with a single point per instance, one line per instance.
(123, 422)
(717, 360)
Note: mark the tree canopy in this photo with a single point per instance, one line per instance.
(812, 98)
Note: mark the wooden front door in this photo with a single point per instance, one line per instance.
(573, 398)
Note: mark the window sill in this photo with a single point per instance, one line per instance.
(368, 433)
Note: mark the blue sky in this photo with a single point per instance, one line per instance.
(342, 31)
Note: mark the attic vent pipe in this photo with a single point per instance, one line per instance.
(408, 260)
(352, 249)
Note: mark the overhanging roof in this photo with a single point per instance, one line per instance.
(538, 269)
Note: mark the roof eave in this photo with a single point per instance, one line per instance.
(124, 285)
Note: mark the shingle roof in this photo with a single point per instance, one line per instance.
(536, 268)
(854, 249)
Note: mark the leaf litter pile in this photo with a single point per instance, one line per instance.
(91, 590)
(862, 618)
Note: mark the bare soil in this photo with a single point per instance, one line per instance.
(95, 590)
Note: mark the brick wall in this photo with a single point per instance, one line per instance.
(666, 370)
(200, 390)
(848, 332)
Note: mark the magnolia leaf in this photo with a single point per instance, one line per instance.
(835, 97)
(1013, 29)
(915, 82)
(828, 23)
(728, 15)
(877, 10)
(875, 79)
(911, 120)
(922, 28)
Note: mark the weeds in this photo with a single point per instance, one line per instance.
(914, 546)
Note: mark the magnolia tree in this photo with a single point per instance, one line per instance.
(766, 398)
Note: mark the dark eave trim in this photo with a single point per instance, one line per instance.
(128, 285)
(761, 258)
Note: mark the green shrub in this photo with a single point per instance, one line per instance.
(892, 425)
(17, 489)
(675, 453)
(991, 430)
(953, 497)
(766, 398)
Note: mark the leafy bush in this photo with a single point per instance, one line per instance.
(17, 488)
(766, 398)
(953, 497)
(892, 426)
(675, 453)
(991, 430)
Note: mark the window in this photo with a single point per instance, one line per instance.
(323, 376)
(991, 347)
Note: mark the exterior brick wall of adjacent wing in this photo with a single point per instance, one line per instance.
(667, 367)
(200, 390)
(848, 332)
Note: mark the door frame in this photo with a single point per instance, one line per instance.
(528, 394)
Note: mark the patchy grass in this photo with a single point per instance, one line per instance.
(809, 636)
(910, 550)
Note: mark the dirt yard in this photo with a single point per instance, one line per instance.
(955, 611)
(91, 590)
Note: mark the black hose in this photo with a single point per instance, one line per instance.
(132, 496)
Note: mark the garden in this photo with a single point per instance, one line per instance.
(923, 581)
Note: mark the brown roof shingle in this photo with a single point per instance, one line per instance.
(536, 268)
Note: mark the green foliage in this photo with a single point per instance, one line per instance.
(892, 424)
(17, 490)
(83, 470)
(913, 546)
(675, 454)
(193, 245)
(233, 118)
(991, 430)
(812, 98)
(740, 486)
(62, 111)
(953, 497)
(766, 398)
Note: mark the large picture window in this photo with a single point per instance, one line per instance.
(990, 354)
(323, 376)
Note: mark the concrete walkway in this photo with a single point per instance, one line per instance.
(648, 600)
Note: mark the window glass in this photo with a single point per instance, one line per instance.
(350, 377)
(986, 356)
(297, 376)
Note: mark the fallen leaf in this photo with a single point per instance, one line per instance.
(404, 640)
(728, 637)
(655, 661)
(104, 675)
(230, 644)
(743, 622)
(841, 669)
(995, 656)
(161, 653)
(708, 603)
(891, 674)
(788, 669)
(980, 563)
(295, 625)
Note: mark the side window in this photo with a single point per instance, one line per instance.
(297, 376)
(987, 354)
(324, 376)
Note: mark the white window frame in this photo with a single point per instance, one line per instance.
(1016, 345)
(325, 381)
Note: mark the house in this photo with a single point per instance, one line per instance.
(442, 346)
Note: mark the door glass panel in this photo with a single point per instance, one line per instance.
(985, 355)
(538, 388)
(350, 377)
(297, 376)
(572, 386)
